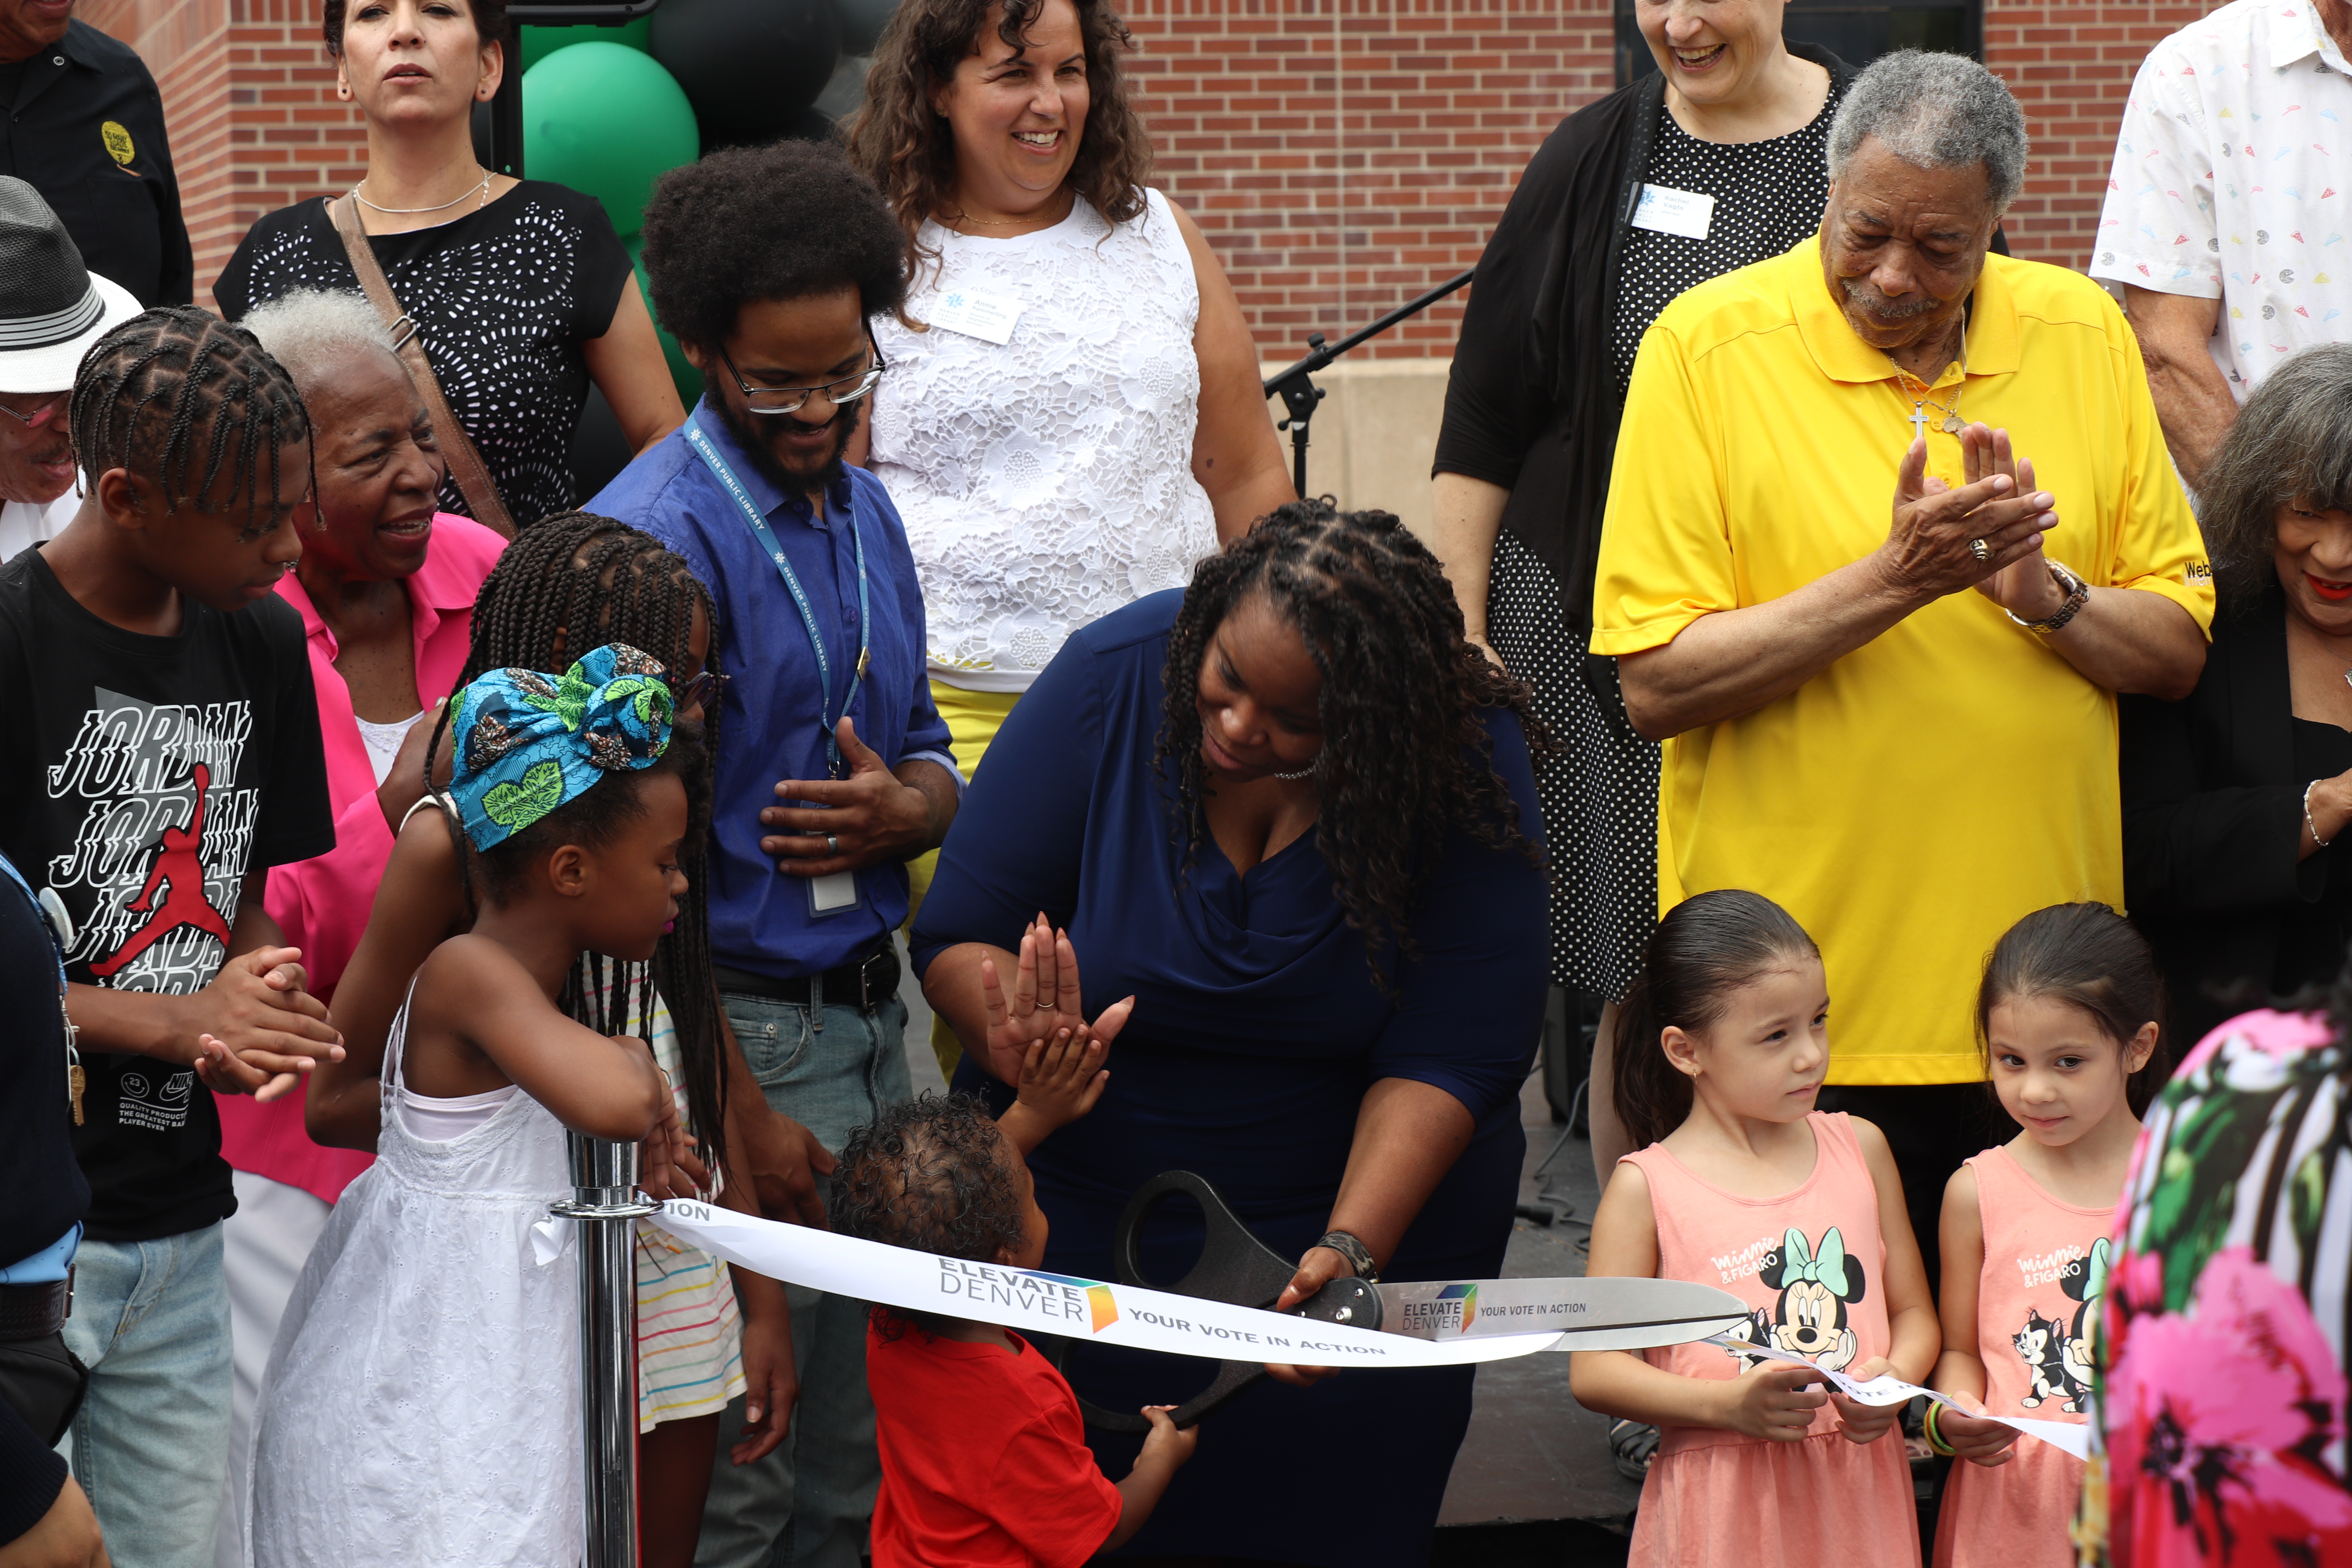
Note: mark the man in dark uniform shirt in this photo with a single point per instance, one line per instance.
(80, 121)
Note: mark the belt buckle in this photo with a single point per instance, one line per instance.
(865, 1003)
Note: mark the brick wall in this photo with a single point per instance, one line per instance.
(249, 99)
(1342, 155)
(2072, 67)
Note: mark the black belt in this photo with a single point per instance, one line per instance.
(863, 983)
(33, 1311)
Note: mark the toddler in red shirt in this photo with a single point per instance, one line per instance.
(984, 1457)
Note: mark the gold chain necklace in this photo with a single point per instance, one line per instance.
(1952, 423)
(998, 222)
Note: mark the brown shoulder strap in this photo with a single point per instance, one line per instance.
(465, 463)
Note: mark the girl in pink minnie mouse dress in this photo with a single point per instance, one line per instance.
(1721, 1051)
(2069, 1011)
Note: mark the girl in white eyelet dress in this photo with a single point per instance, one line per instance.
(481, 1358)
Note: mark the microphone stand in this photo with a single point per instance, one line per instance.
(1297, 390)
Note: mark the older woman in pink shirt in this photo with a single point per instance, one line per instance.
(386, 588)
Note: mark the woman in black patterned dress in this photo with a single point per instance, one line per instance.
(521, 289)
(1721, 150)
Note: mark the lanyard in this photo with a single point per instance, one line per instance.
(775, 551)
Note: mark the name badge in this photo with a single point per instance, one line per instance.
(832, 895)
(1670, 211)
(988, 317)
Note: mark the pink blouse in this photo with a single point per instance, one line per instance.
(322, 904)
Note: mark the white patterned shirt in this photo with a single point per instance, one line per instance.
(2232, 180)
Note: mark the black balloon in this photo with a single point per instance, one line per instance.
(862, 22)
(749, 66)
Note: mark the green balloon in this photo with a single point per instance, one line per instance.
(538, 43)
(688, 380)
(606, 120)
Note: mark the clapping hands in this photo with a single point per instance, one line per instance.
(259, 1030)
(1047, 1002)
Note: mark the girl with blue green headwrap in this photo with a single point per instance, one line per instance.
(455, 1433)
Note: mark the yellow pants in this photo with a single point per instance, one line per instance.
(974, 718)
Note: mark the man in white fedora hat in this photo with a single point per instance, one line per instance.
(52, 308)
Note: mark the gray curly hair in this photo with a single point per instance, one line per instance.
(2290, 445)
(311, 331)
(1935, 111)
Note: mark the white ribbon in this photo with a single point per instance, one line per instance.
(1040, 1303)
(1887, 1389)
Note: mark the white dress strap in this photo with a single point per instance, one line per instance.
(430, 797)
(387, 1077)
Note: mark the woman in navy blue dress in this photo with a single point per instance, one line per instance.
(1291, 814)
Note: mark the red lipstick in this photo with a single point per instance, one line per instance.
(2334, 593)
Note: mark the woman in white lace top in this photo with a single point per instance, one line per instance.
(1073, 416)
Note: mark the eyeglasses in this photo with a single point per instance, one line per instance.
(41, 415)
(701, 692)
(788, 399)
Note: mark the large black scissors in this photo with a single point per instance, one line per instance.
(1235, 1267)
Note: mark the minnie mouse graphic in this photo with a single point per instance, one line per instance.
(1809, 1318)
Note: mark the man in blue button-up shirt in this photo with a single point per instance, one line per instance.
(832, 765)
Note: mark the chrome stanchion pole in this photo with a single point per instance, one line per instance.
(605, 1207)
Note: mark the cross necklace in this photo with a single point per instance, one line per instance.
(1952, 423)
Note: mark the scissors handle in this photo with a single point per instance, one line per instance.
(1235, 1267)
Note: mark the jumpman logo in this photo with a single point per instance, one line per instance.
(180, 865)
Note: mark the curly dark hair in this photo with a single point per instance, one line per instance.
(489, 27)
(778, 222)
(906, 147)
(1403, 742)
(571, 583)
(177, 396)
(2290, 445)
(934, 1175)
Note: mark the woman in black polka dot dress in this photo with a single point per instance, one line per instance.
(520, 290)
(1712, 164)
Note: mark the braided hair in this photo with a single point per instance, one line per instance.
(166, 393)
(1406, 759)
(569, 584)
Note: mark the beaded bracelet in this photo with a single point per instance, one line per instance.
(1934, 1434)
(2316, 838)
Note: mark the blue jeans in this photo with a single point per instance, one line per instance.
(151, 1445)
(807, 1504)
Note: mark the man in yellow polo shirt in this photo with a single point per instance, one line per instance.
(1900, 727)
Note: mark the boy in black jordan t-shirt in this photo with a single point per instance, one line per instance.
(163, 753)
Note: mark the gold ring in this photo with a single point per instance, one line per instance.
(1980, 549)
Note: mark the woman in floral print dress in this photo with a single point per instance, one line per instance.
(2219, 1424)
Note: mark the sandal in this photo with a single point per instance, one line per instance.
(1632, 1446)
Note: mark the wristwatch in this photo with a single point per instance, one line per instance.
(1358, 1256)
(2078, 594)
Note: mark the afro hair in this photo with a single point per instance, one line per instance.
(932, 1173)
(778, 222)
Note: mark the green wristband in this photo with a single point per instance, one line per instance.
(1935, 1434)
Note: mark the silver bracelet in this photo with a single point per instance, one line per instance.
(2316, 838)
(2078, 594)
